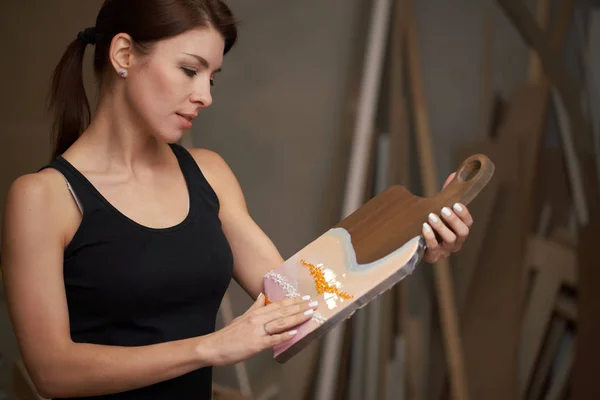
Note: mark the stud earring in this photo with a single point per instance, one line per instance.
(122, 73)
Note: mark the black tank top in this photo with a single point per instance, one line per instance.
(131, 285)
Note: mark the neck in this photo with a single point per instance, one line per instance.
(118, 137)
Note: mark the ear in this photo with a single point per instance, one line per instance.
(121, 52)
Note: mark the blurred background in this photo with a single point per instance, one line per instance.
(325, 104)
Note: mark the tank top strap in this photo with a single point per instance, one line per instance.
(81, 189)
(198, 186)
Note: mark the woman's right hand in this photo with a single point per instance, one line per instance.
(261, 327)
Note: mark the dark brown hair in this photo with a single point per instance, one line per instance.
(146, 21)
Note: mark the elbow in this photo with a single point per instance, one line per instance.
(45, 382)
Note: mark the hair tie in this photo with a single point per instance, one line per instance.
(88, 35)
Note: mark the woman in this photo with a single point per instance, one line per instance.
(118, 253)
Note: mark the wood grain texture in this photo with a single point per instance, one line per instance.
(443, 278)
(395, 216)
(490, 321)
(554, 265)
(587, 349)
(535, 71)
(555, 334)
(555, 71)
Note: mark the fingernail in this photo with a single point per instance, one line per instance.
(307, 297)
(292, 333)
(446, 211)
(457, 207)
(260, 295)
(426, 227)
(313, 303)
(433, 218)
(308, 312)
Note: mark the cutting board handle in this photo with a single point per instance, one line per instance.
(394, 217)
(471, 176)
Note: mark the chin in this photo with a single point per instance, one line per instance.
(172, 136)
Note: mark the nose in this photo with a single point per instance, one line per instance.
(202, 96)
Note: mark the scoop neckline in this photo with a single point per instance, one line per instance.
(122, 215)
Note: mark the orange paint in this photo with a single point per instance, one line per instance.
(321, 284)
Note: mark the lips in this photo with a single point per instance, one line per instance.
(186, 120)
(189, 117)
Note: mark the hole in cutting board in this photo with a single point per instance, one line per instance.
(470, 170)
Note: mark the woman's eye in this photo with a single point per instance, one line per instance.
(189, 72)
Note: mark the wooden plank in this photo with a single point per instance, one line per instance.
(491, 317)
(529, 118)
(573, 164)
(532, 34)
(333, 199)
(537, 316)
(442, 277)
(566, 307)
(487, 64)
(553, 266)
(587, 352)
(466, 263)
(543, 368)
(535, 67)
(592, 77)
(552, 188)
(562, 372)
(398, 174)
(356, 178)
(555, 257)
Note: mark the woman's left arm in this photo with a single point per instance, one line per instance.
(253, 251)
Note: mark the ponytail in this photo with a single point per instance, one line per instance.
(146, 21)
(68, 101)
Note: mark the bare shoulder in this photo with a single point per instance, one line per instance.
(219, 175)
(33, 190)
(34, 200)
(210, 161)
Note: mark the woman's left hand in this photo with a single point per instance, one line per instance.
(452, 225)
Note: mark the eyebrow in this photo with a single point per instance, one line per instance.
(202, 61)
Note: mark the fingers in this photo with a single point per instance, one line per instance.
(457, 225)
(433, 247)
(464, 214)
(259, 302)
(448, 237)
(449, 179)
(288, 310)
(276, 339)
(285, 306)
(283, 324)
(452, 227)
(284, 314)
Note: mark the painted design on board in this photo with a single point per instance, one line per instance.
(325, 281)
(328, 269)
(290, 291)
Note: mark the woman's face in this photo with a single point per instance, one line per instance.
(168, 87)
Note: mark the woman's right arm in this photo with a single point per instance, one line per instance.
(33, 241)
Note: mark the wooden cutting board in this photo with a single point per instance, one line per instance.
(382, 226)
(396, 216)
